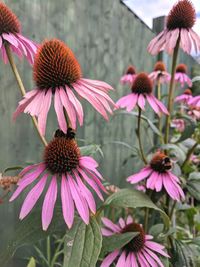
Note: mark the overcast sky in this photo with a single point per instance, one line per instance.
(148, 9)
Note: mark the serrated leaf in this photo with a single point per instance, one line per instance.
(82, 244)
(110, 243)
(29, 231)
(130, 198)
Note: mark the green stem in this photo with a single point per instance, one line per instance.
(172, 210)
(189, 154)
(171, 90)
(159, 118)
(48, 250)
(146, 220)
(22, 89)
(139, 135)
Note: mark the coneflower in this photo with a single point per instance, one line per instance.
(10, 34)
(129, 76)
(57, 73)
(160, 73)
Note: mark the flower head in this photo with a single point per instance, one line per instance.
(158, 175)
(179, 124)
(57, 73)
(194, 112)
(141, 91)
(129, 77)
(160, 73)
(10, 34)
(140, 251)
(185, 97)
(181, 75)
(62, 163)
(195, 101)
(180, 21)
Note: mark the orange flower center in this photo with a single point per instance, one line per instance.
(159, 66)
(9, 23)
(142, 84)
(182, 16)
(188, 92)
(55, 65)
(61, 155)
(131, 70)
(181, 68)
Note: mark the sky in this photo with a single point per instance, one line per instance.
(149, 9)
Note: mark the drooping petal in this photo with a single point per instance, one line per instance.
(154, 256)
(59, 112)
(33, 197)
(110, 225)
(122, 260)
(67, 202)
(156, 247)
(133, 179)
(110, 258)
(49, 203)
(141, 101)
(79, 201)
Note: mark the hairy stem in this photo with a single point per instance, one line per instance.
(22, 89)
(171, 91)
(139, 135)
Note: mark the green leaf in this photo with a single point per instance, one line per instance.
(189, 129)
(14, 168)
(193, 185)
(29, 231)
(150, 123)
(110, 243)
(82, 244)
(32, 263)
(128, 198)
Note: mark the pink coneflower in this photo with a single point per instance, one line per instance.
(158, 175)
(10, 33)
(141, 251)
(63, 163)
(141, 91)
(180, 21)
(185, 97)
(179, 124)
(195, 159)
(195, 101)
(129, 77)
(181, 76)
(57, 73)
(160, 73)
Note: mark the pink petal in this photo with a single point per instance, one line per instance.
(133, 179)
(161, 106)
(153, 104)
(77, 105)
(68, 107)
(154, 256)
(122, 260)
(149, 259)
(170, 188)
(110, 225)
(26, 180)
(42, 118)
(86, 193)
(122, 223)
(67, 202)
(59, 112)
(10, 38)
(141, 101)
(92, 183)
(152, 180)
(156, 247)
(110, 258)
(106, 232)
(33, 197)
(80, 202)
(129, 219)
(1, 42)
(35, 106)
(133, 260)
(49, 203)
(141, 259)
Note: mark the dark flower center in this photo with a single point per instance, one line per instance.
(137, 243)
(160, 163)
(55, 65)
(181, 68)
(159, 66)
(142, 84)
(182, 16)
(131, 70)
(9, 23)
(187, 92)
(61, 155)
